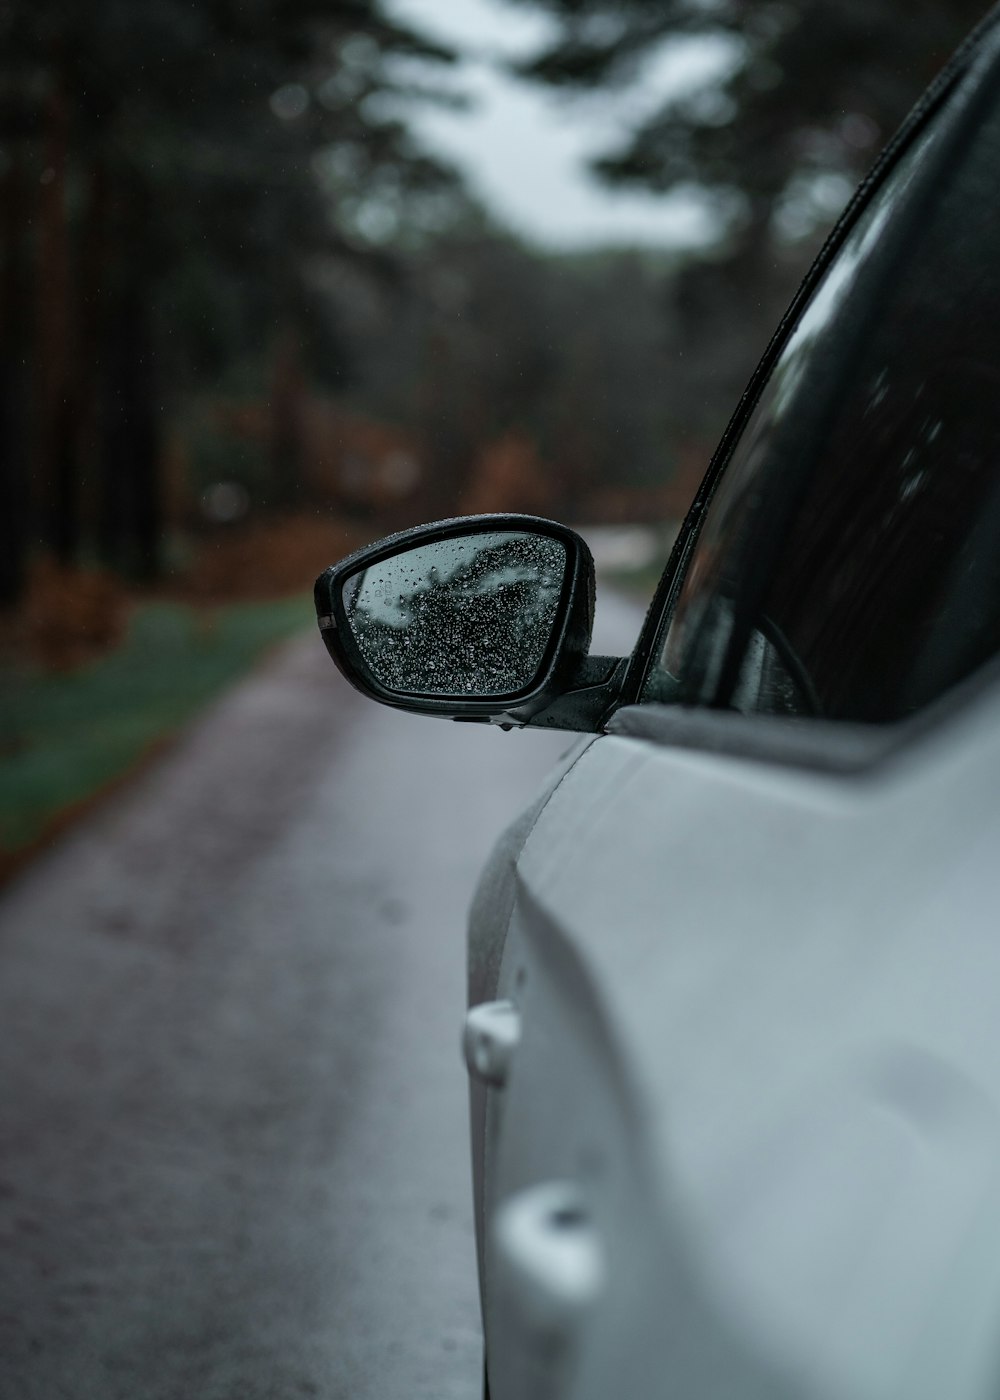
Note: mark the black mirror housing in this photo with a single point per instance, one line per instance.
(451, 599)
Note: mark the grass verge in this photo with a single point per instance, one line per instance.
(65, 738)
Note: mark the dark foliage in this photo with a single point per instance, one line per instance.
(809, 93)
(171, 176)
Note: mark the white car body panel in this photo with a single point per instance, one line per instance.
(760, 1034)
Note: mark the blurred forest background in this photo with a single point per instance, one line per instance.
(248, 322)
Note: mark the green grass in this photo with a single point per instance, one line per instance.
(65, 737)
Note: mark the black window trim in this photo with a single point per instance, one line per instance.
(665, 597)
(841, 748)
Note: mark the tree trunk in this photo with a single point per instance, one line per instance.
(56, 473)
(286, 422)
(15, 515)
(92, 317)
(130, 513)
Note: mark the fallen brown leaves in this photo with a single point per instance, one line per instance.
(69, 616)
(268, 559)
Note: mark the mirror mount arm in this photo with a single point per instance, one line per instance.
(592, 693)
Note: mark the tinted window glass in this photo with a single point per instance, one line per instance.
(851, 566)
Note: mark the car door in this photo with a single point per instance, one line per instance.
(742, 1134)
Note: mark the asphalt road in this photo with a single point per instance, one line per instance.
(233, 1155)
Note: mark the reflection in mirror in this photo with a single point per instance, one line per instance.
(469, 616)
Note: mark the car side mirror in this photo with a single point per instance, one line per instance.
(482, 618)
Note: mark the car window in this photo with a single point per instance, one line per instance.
(849, 564)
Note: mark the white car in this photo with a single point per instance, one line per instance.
(734, 1026)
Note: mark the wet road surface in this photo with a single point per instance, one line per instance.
(233, 1157)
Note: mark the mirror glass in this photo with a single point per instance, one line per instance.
(466, 616)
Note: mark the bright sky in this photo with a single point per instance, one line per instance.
(524, 148)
